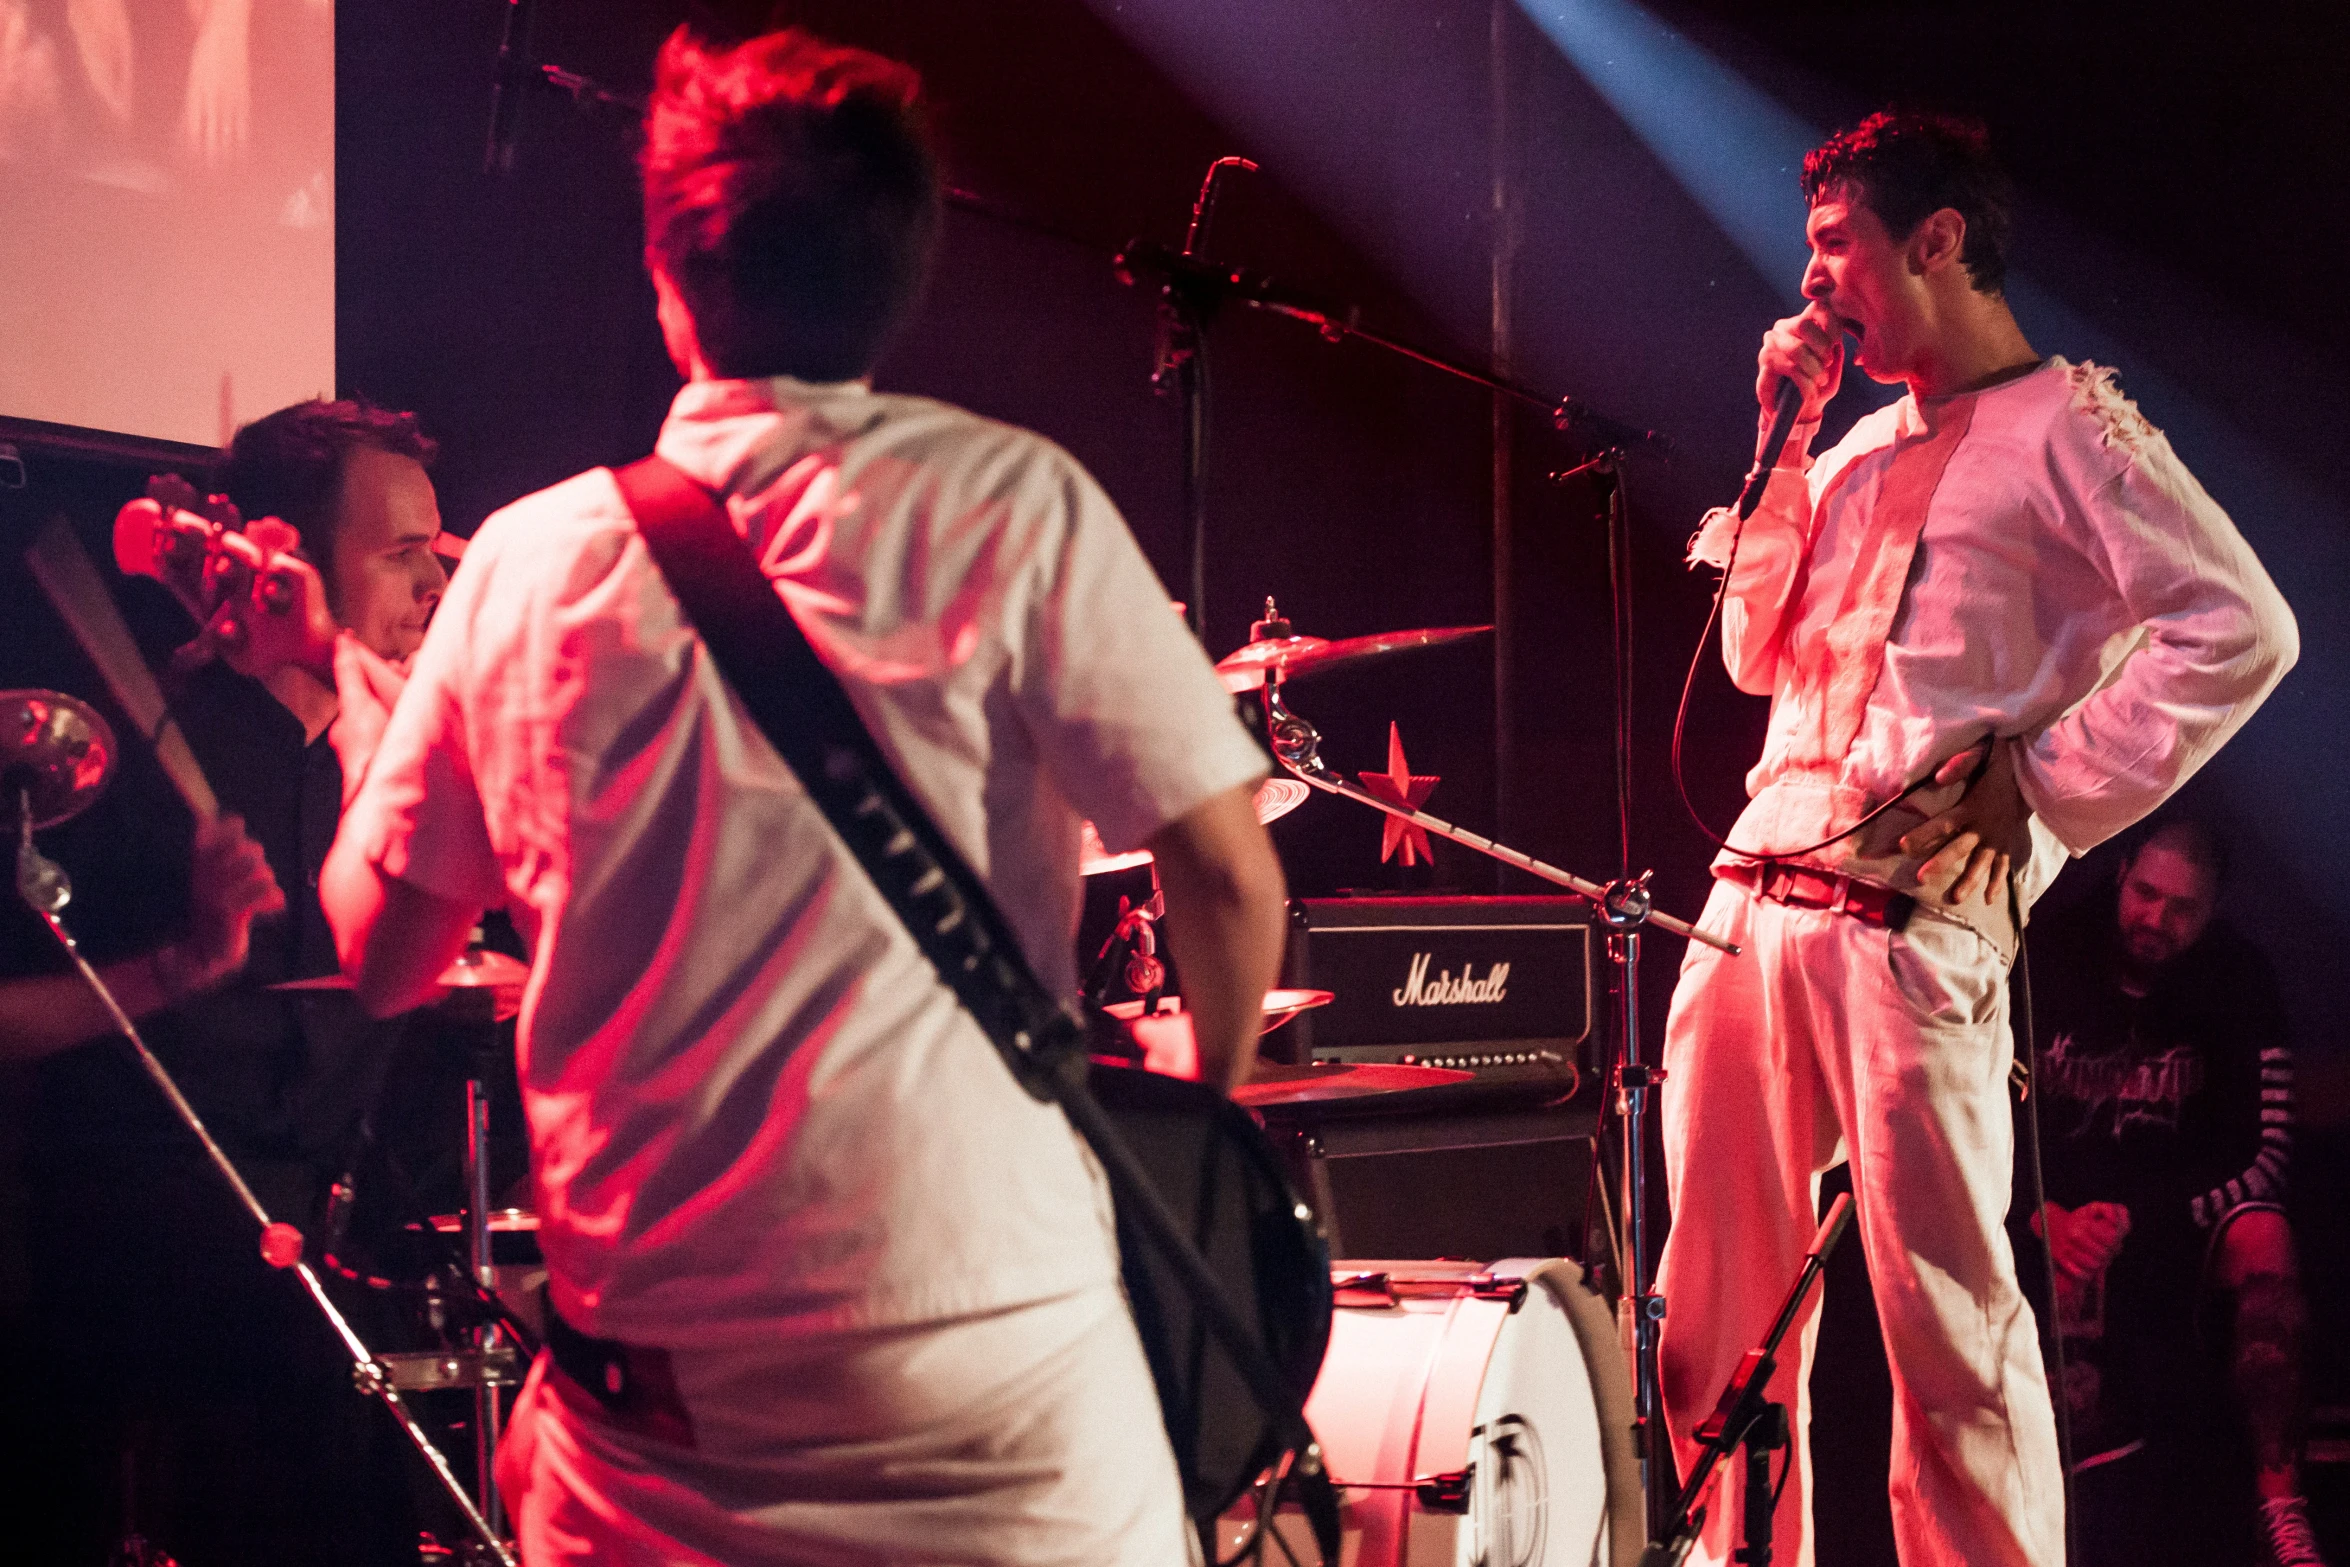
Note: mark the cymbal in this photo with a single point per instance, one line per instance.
(1280, 1006)
(1245, 668)
(475, 969)
(1275, 1083)
(54, 748)
(479, 968)
(1275, 798)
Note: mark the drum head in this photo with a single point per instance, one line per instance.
(1477, 1415)
(1546, 1486)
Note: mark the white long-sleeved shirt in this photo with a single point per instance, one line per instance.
(2073, 585)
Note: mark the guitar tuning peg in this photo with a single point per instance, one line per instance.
(273, 536)
(170, 490)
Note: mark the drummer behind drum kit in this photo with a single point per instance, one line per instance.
(1467, 1412)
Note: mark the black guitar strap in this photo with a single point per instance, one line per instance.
(799, 705)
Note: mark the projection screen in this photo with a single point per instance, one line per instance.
(167, 187)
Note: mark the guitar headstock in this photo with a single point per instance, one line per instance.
(201, 548)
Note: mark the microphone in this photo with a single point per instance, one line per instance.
(1766, 457)
(1177, 316)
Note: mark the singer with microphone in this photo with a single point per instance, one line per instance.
(1934, 607)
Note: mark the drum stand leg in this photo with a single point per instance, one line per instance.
(45, 890)
(1308, 1170)
(487, 1414)
(1635, 1081)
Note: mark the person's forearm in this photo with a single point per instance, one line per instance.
(393, 939)
(51, 1012)
(1226, 922)
(1769, 563)
(1227, 942)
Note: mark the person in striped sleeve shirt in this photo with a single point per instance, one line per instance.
(2166, 1086)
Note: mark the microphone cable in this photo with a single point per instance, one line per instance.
(1681, 725)
(2022, 994)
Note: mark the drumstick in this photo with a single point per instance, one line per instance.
(72, 584)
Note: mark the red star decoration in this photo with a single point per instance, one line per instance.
(1399, 785)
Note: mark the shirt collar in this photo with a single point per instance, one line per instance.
(724, 433)
(767, 394)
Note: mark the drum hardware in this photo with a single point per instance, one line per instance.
(1744, 1416)
(477, 982)
(1280, 1006)
(55, 739)
(1385, 1289)
(1470, 1412)
(434, 1371)
(1624, 906)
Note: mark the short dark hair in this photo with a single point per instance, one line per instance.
(289, 464)
(1909, 165)
(2195, 837)
(792, 196)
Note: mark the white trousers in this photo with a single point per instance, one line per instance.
(1828, 1038)
(1027, 1438)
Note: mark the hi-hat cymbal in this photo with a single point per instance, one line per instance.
(1275, 1083)
(1275, 798)
(54, 748)
(1245, 668)
(477, 968)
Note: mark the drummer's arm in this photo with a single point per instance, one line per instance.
(232, 886)
(47, 1013)
(1226, 922)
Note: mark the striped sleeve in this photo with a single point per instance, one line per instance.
(2264, 1179)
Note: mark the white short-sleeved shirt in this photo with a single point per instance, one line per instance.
(752, 1104)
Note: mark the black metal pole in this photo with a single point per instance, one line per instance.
(1742, 1402)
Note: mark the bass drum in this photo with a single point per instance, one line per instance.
(1477, 1415)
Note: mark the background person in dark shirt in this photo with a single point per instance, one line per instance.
(180, 1387)
(2165, 1088)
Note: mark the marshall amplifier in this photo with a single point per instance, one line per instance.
(1496, 986)
(1501, 987)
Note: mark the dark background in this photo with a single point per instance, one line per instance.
(1441, 165)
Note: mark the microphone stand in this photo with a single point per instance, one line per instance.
(42, 883)
(1186, 306)
(1337, 323)
(1624, 907)
(1744, 1415)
